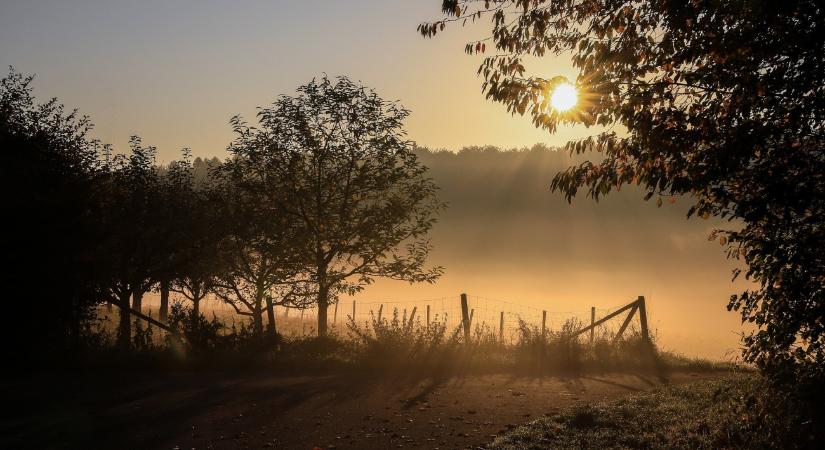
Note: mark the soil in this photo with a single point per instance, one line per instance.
(195, 411)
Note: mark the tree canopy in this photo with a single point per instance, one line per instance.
(335, 162)
(722, 102)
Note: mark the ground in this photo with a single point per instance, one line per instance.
(352, 411)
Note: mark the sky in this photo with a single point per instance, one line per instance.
(175, 72)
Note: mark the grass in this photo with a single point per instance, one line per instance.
(735, 412)
(393, 343)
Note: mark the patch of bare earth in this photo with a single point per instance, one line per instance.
(202, 410)
(339, 413)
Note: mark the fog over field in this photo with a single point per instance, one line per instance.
(505, 236)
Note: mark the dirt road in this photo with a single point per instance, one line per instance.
(305, 412)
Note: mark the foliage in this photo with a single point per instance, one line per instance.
(564, 350)
(399, 341)
(130, 245)
(142, 337)
(257, 256)
(335, 163)
(199, 333)
(53, 179)
(721, 101)
(98, 226)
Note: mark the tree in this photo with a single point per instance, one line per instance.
(191, 231)
(54, 180)
(336, 164)
(132, 249)
(258, 264)
(723, 103)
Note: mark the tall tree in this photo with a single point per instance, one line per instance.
(336, 163)
(723, 102)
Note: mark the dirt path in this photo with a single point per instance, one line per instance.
(350, 413)
(194, 411)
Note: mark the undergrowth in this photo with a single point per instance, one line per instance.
(396, 342)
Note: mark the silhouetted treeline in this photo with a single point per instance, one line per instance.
(322, 197)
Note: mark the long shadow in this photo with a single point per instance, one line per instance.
(144, 413)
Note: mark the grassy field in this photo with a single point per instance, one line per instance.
(731, 412)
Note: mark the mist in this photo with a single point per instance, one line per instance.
(506, 237)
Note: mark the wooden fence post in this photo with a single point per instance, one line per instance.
(592, 321)
(543, 324)
(412, 316)
(643, 318)
(465, 317)
(380, 310)
(428, 317)
(501, 328)
(353, 311)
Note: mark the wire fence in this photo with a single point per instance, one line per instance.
(496, 316)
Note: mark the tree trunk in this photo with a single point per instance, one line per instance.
(137, 299)
(196, 313)
(270, 314)
(124, 331)
(257, 316)
(163, 313)
(323, 305)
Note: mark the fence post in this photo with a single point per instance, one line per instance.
(428, 317)
(412, 316)
(543, 324)
(353, 311)
(643, 318)
(501, 328)
(592, 321)
(465, 317)
(380, 310)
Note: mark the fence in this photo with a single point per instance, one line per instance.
(468, 312)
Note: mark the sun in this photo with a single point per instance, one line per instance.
(564, 97)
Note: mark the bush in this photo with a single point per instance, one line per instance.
(392, 342)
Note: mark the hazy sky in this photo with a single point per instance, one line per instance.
(174, 72)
